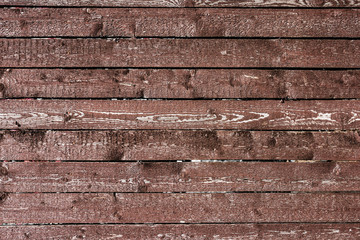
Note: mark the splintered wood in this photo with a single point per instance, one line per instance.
(179, 119)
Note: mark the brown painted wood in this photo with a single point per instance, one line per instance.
(151, 63)
(187, 22)
(179, 176)
(179, 83)
(178, 207)
(180, 114)
(194, 53)
(178, 145)
(185, 3)
(186, 231)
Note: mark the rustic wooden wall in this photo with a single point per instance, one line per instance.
(179, 119)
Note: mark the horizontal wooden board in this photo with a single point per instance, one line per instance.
(186, 231)
(179, 83)
(194, 53)
(186, 22)
(178, 176)
(178, 145)
(178, 207)
(179, 114)
(185, 3)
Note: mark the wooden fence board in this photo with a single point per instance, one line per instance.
(191, 53)
(131, 87)
(178, 145)
(179, 177)
(178, 207)
(185, 3)
(180, 114)
(186, 231)
(187, 22)
(179, 83)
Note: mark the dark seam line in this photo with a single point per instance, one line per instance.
(177, 129)
(192, 68)
(177, 7)
(179, 161)
(283, 100)
(172, 223)
(69, 37)
(195, 192)
(173, 161)
(177, 37)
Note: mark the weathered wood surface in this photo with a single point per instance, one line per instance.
(185, 3)
(179, 83)
(180, 49)
(187, 22)
(178, 207)
(179, 114)
(186, 231)
(193, 53)
(178, 145)
(178, 176)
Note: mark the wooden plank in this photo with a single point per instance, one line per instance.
(186, 231)
(186, 22)
(178, 145)
(179, 177)
(179, 83)
(184, 3)
(180, 114)
(154, 52)
(21, 208)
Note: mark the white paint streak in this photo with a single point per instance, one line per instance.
(10, 116)
(291, 118)
(324, 117)
(177, 118)
(336, 169)
(115, 236)
(332, 231)
(210, 180)
(14, 209)
(300, 181)
(126, 84)
(328, 182)
(252, 77)
(355, 117)
(262, 116)
(287, 232)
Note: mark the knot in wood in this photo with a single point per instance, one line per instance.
(3, 171)
(3, 196)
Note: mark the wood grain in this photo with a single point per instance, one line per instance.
(178, 145)
(179, 83)
(185, 3)
(132, 88)
(186, 22)
(192, 53)
(180, 114)
(178, 207)
(187, 231)
(178, 176)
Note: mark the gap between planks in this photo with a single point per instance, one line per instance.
(185, 3)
